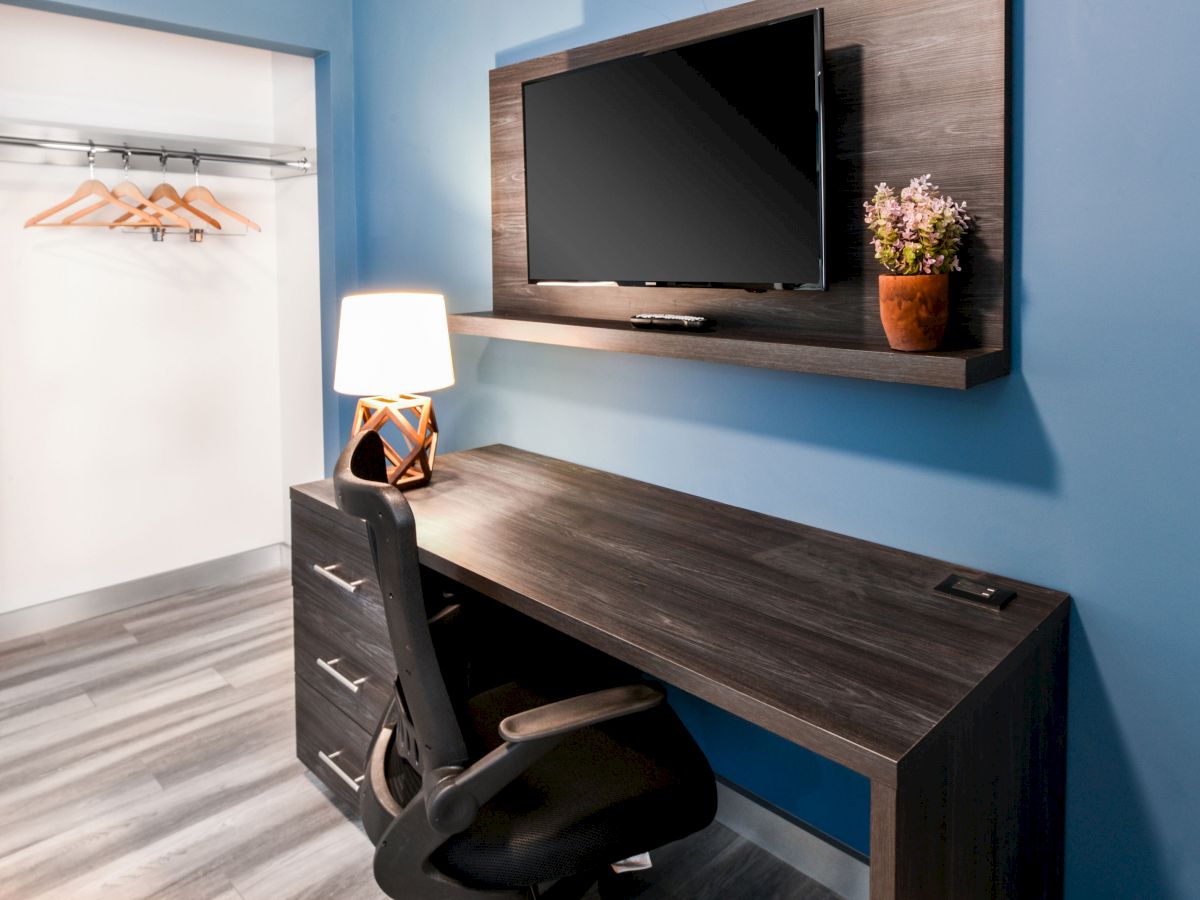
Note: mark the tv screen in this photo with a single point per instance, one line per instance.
(695, 166)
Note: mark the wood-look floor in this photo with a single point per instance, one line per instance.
(150, 753)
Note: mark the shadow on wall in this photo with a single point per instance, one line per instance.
(1112, 847)
(785, 775)
(992, 432)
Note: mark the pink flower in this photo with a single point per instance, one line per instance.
(918, 231)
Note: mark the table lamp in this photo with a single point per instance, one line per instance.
(392, 347)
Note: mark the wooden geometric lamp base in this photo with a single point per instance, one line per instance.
(412, 415)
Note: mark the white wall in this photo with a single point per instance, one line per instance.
(155, 398)
(58, 68)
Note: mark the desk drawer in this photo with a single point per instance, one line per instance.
(332, 553)
(353, 673)
(352, 618)
(329, 743)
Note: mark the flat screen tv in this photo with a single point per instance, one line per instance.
(698, 166)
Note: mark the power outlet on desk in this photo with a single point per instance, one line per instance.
(988, 594)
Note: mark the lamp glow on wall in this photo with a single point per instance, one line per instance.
(392, 348)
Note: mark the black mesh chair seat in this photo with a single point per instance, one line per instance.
(605, 793)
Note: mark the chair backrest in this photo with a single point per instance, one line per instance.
(362, 490)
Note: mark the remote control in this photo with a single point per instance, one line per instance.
(669, 320)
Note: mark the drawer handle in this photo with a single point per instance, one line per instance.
(328, 759)
(328, 667)
(327, 572)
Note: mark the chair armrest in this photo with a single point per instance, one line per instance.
(583, 711)
(455, 800)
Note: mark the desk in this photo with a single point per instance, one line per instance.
(955, 713)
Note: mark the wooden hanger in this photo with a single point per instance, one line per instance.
(166, 192)
(199, 194)
(90, 188)
(129, 191)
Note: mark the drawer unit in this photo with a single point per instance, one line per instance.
(344, 664)
(327, 741)
(343, 660)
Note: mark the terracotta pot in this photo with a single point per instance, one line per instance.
(914, 310)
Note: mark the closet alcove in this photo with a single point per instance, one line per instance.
(158, 397)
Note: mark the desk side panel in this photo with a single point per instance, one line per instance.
(980, 811)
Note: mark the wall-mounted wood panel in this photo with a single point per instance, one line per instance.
(912, 86)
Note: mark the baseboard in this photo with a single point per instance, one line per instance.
(838, 868)
(67, 610)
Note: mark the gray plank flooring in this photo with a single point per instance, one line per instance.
(150, 753)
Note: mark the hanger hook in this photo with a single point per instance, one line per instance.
(92, 160)
(162, 161)
(196, 169)
(126, 154)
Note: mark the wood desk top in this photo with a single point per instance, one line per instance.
(834, 643)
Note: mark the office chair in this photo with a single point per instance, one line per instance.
(514, 789)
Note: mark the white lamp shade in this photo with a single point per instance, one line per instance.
(391, 344)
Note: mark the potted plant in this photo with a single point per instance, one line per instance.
(916, 236)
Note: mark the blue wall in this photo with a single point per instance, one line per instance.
(321, 29)
(1085, 458)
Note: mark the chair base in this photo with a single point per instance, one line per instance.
(573, 888)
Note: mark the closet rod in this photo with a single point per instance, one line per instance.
(157, 152)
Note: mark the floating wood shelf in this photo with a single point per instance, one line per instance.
(867, 359)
